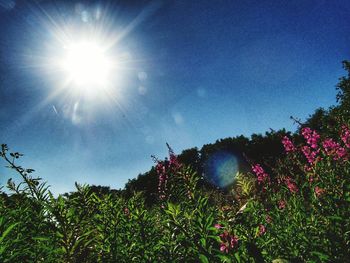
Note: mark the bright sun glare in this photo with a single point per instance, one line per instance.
(86, 64)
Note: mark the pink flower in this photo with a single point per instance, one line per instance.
(262, 230)
(281, 204)
(319, 191)
(288, 144)
(163, 169)
(333, 148)
(173, 161)
(311, 179)
(291, 185)
(307, 168)
(223, 247)
(329, 145)
(228, 242)
(217, 226)
(268, 219)
(262, 176)
(309, 154)
(345, 136)
(311, 137)
(234, 241)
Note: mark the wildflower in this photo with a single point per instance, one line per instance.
(228, 242)
(311, 137)
(281, 204)
(319, 191)
(333, 148)
(163, 169)
(262, 230)
(234, 241)
(345, 136)
(309, 154)
(262, 176)
(307, 168)
(217, 226)
(173, 160)
(341, 153)
(293, 188)
(223, 247)
(288, 144)
(311, 179)
(268, 219)
(162, 179)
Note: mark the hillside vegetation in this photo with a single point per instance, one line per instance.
(293, 205)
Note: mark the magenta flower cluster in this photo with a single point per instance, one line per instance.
(281, 204)
(312, 150)
(311, 137)
(218, 226)
(333, 149)
(319, 191)
(262, 230)
(345, 136)
(268, 219)
(293, 188)
(228, 242)
(310, 154)
(163, 169)
(288, 145)
(261, 175)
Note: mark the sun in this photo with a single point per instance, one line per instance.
(86, 64)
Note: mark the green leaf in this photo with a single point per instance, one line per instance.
(224, 258)
(7, 231)
(203, 242)
(320, 255)
(41, 238)
(280, 260)
(217, 238)
(238, 258)
(203, 258)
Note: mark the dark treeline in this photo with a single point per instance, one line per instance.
(260, 148)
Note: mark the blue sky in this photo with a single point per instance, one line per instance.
(195, 71)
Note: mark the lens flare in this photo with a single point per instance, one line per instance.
(222, 167)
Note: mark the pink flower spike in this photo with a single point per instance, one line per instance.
(228, 242)
(309, 154)
(345, 136)
(319, 191)
(281, 204)
(288, 145)
(334, 150)
(234, 241)
(311, 137)
(223, 248)
(262, 229)
(261, 175)
(268, 219)
(217, 226)
(293, 188)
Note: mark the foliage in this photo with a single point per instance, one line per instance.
(293, 206)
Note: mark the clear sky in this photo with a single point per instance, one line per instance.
(189, 72)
